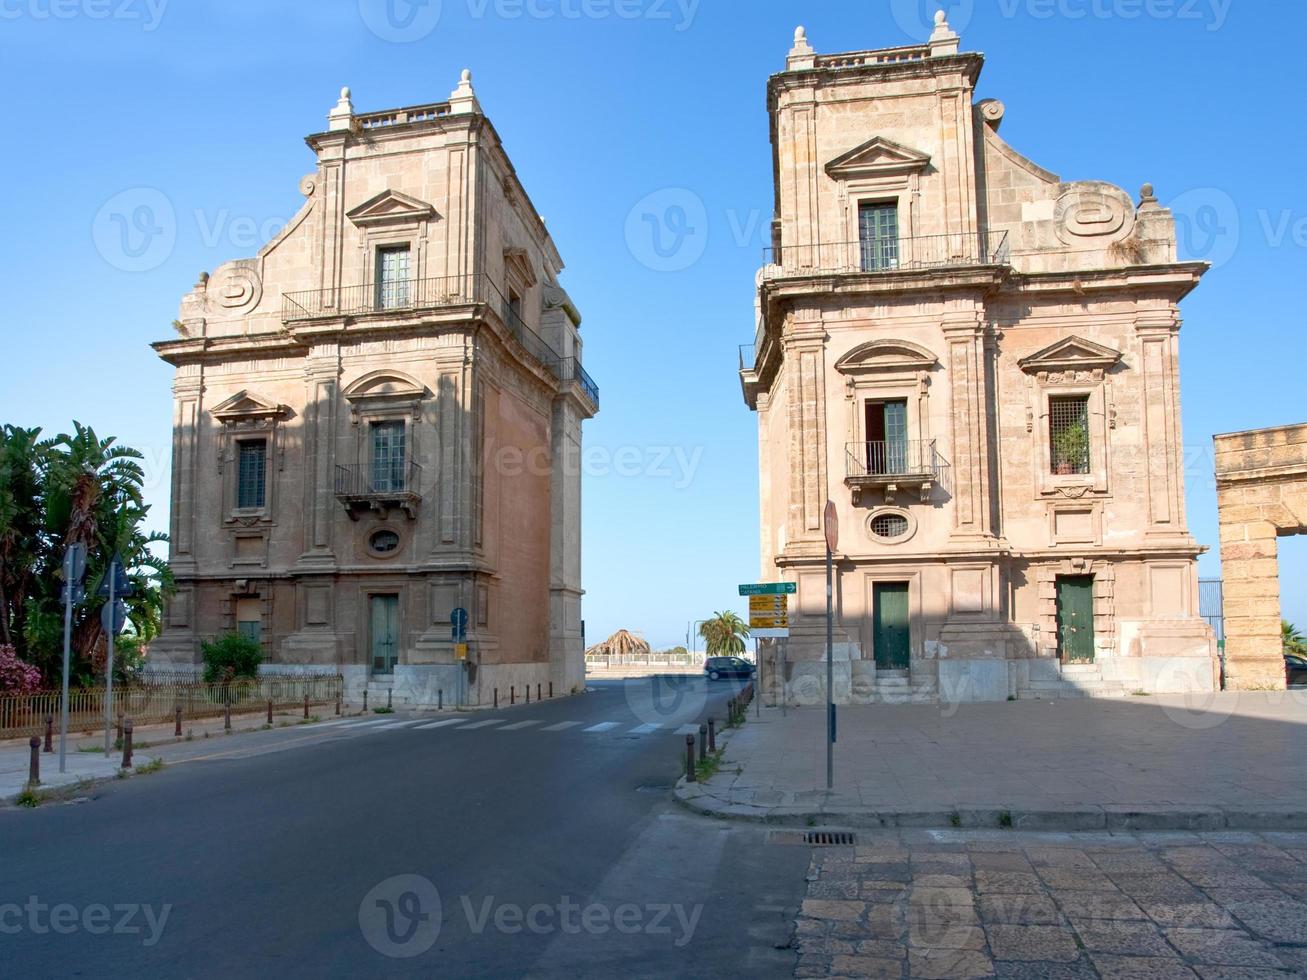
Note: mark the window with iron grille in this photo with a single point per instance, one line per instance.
(388, 457)
(1068, 434)
(251, 474)
(393, 277)
(889, 526)
(878, 236)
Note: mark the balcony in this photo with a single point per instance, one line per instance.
(894, 467)
(421, 295)
(887, 255)
(379, 488)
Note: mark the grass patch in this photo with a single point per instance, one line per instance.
(383, 711)
(708, 767)
(154, 765)
(310, 720)
(29, 798)
(955, 819)
(1005, 818)
(1140, 694)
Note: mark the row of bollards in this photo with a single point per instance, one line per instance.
(526, 693)
(707, 745)
(34, 743)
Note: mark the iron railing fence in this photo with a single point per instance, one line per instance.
(644, 660)
(885, 255)
(150, 703)
(748, 356)
(906, 457)
(357, 481)
(411, 295)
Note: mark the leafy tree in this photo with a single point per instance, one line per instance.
(17, 677)
(230, 657)
(1294, 642)
(75, 488)
(725, 634)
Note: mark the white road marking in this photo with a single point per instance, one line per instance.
(520, 725)
(374, 724)
(603, 726)
(688, 730)
(441, 724)
(481, 724)
(645, 729)
(397, 724)
(561, 726)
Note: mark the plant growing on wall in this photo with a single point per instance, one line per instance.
(1071, 448)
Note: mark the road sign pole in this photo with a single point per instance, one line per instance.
(108, 673)
(69, 586)
(830, 671)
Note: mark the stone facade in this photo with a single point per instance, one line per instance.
(977, 362)
(1261, 492)
(377, 421)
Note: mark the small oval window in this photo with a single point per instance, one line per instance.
(384, 542)
(889, 526)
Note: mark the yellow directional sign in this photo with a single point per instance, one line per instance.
(769, 612)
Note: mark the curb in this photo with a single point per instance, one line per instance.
(695, 798)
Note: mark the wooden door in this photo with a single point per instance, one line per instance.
(1075, 618)
(891, 637)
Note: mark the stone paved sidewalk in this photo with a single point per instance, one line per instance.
(1208, 763)
(1014, 905)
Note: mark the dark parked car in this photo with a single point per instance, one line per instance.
(1295, 669)
(718, 667)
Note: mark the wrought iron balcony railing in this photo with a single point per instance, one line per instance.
(571, 370)
(887, 255)
(378, 487)
(887, 464)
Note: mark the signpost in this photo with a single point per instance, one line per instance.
(74, 572)
(769, 619)
(458, 620)
(115, 587)
(830, 520)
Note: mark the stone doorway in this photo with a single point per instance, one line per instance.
(1261, 492)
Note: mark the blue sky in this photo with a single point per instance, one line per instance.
(603, 104)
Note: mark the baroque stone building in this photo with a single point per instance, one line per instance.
(377, 424)
(976, 361)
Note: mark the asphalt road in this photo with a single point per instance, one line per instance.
(544, 845)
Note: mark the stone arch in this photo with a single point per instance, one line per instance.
(1261, 493)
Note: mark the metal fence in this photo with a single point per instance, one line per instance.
(155, 703)
(644, 660)
(1211, 599)
(872, 256)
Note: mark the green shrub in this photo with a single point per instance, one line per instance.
(231, 657)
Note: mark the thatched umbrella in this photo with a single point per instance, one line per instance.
(623, 643)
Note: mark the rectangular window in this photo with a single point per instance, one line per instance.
(388, 457)
(249, 619)
(878, 236)
(1068, 434)
(887, 437)
(393, 281)
(251, 476)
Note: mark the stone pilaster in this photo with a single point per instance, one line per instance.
(967, 369)
(805, 344)
(321, 415)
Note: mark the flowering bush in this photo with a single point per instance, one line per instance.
(17, 677)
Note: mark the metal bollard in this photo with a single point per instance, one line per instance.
(390, 698)
(338, 703)
(496, 699)
(49, 733)
(712, 735)
(512, 694)
(34, 767)
(177, 720)
(119, 729)
(127, 744)
(306, 705)
(269, 711)
(528, 694)
(226, 717)
(440, 699)
(689, 759)
(537, 692)
(703, 742)
(551, 690)
(365, 701)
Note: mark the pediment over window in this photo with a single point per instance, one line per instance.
(245, 407)
(1071, 354)
(518, 264)
(391, 207)
(898, 356)
(385, 390)
(878, 157)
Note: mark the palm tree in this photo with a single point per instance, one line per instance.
(1292, 638)
(725, 634)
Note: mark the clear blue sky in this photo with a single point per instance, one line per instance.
(603, 103)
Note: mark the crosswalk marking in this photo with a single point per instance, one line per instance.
(603, 726)
(374, 724)
(396, 724)
(645, 729)
(561, 726)
(481, 724)
(688, 730)
(520, 725)
(441, 724)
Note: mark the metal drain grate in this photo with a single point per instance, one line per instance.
(829, 838)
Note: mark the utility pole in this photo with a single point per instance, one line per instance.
(74, 569)
(832, 541)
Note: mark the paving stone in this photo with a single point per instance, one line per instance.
(866, 966)
(1122, 936)
(882, 891)
(1097, 905)
(1033, 909)
(884, 922)
(1112, 967)
(829, 909)
(1239, 973)
(1282, 921)
(1190, 915)
(945, 935)
(941, 881)
(941, 897)
(834, 889)
(1001, 861)
(1075, 879)
(1206, 878)
(825, 946)
(1168, 887)
(949, 964)
(881, 949)
(1044, 970)
(1010, 882)
(1012, 942)
(1222, 947)
(1060, 857)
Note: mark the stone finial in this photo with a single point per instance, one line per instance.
(801, 55)
(463, 100)
(943, 40)
(342, 116)
(1147, 198)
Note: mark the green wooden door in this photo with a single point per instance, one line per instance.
(385, 633)
(1075, 618)
(890, 637)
